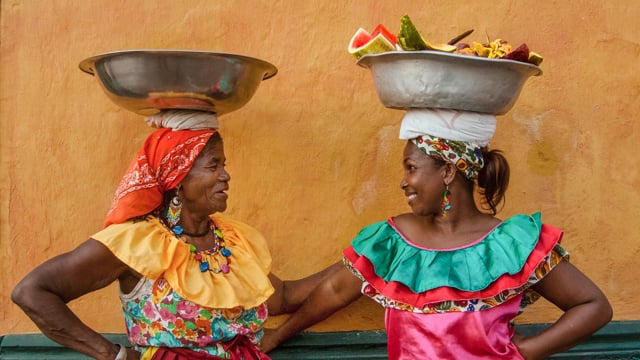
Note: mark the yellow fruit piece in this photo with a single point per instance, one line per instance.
(493, 50)
(480, 49)
(466, 51)
(499, 48)
(441, 47)
(535, 58)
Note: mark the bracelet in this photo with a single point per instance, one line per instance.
(122, 353)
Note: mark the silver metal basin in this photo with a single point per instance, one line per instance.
(433, 79)
(147, 81)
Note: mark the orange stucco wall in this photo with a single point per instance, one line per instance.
(314, 156)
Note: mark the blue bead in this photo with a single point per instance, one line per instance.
(225, 252)
(178, 230)
(204, 266)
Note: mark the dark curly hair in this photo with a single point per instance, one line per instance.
(493, 179)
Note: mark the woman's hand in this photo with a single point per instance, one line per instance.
(586, 309)
(269, 340)
(132, 354)
(520, 341)
(44, 293)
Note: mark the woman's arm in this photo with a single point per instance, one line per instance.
(337, 290)
(290, 294)
(586, 309)
(44, 292)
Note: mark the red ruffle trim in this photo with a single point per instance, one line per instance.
(548, 239)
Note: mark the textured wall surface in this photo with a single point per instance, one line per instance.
(314, 156)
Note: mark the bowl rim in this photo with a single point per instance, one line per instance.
(87, 65)
(366, 59)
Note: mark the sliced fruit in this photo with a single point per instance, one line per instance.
(380, 29)
(363, 43)
(360, 38)
(409, 38)
(441, 47)
(499, 48)
(521, 53)
(464, 49)
(535, 58)
(480, 49)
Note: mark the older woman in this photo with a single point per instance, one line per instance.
(451, 276)
(193, 284)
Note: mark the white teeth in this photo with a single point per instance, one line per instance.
(412, 196)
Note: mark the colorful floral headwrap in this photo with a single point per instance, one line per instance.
(450, 135)
(163, 161)
(467, 157)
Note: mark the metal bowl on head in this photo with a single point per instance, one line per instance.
(148, 81)
(434, 79)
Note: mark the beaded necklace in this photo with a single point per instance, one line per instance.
(211, 253)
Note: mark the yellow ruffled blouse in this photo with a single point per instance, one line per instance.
(149, 248)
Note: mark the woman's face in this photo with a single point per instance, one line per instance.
(204, 188)
(423, 181)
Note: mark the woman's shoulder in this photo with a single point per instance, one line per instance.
(143, 225)
(377, 231)
(144, 244)
(405, 217)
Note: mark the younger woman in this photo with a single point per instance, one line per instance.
(450, 276)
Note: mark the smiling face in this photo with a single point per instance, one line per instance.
(203, 190)
(423, 181)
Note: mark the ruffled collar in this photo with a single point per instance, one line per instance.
(152, 250)
(503, 251)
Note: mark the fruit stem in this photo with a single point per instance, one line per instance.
(460, 37)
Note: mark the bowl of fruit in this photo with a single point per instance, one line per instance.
(415, 73)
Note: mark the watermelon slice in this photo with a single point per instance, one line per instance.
(380, 29)
(380, 40)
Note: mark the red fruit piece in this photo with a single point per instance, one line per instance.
(360, 38)
(380, 29)
(521, 53)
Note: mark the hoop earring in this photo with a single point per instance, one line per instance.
(445, 206)
(174, 211)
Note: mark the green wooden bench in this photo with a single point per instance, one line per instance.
(618, 340)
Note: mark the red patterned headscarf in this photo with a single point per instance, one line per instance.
(163, 161)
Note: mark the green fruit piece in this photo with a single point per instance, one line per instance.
(409, 38)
